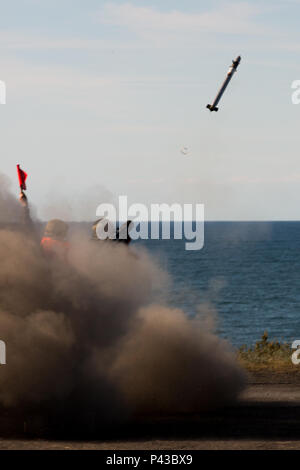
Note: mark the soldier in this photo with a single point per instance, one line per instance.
(121, 235)
(54, 241)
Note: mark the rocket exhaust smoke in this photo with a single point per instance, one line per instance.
(86, 341)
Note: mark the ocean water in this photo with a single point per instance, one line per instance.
(249, 272)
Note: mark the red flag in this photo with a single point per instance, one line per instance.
(22, 178)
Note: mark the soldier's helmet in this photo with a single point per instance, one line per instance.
(56, 229)
(120, 234)
(106, 228)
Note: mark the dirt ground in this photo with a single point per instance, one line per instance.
(267, 416)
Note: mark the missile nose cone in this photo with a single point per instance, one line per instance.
(236, 62)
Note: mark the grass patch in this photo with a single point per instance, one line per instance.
(267, 354)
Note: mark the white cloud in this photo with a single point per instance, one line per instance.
(231, 18)
(12, 40)
(150, 24)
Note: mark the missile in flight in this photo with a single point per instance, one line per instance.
(230, 73)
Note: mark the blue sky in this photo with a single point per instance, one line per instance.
(102, 95)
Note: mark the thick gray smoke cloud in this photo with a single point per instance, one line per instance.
(10, 210)
(86, 339)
